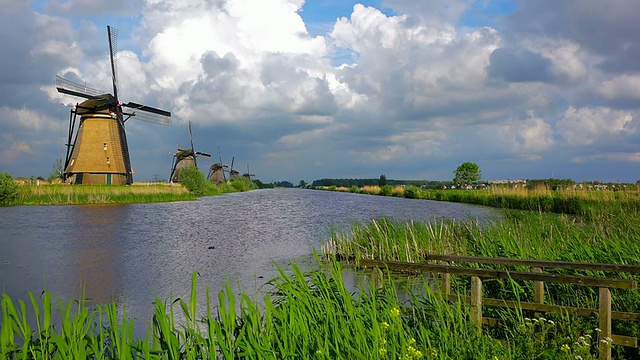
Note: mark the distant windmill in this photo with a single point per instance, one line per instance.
(233, 174)
(185, 158)
(248, 174)
(216, 171)
(97, 150)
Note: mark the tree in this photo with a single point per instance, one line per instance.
(303, 184)
(8, 189)
(382, 181)
(58, 170)
(194, 180)
(466, 174)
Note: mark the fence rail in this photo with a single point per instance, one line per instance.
(539, 278)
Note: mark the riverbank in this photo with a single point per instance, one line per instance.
(145, 192)
(606, 231)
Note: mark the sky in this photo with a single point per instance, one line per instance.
(303, 90)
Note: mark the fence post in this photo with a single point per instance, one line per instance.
(476, 302)
(605, 323)
(538, 288)
(446, 285)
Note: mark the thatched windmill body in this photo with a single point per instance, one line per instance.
(217, 170)
(97, 150)
(185, 158)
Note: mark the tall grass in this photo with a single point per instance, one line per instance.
(307, 315)
(95, 194)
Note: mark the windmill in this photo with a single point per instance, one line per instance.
(97, 150)
(248, 174)
(185, 158)
(216, 171)
(233, 174)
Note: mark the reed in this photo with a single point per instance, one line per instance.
(94, 194)
(306, 315)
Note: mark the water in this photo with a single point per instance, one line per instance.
(131, 253)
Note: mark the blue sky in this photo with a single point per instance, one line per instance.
(307, 90)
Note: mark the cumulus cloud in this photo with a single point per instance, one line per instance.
(589, 126)
(414, 84)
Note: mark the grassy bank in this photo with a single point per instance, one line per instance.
(95, 194)
(293, 322)
(610, 234)
(571, 201)
(59, 194)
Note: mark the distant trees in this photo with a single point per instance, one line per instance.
(382, 181)
(303, 184)
(466, 174)
(57, 172)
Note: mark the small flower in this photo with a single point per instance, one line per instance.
(433, 352)
(495, 358)
(527, 319)
(535, 320)
(543, 319)
(565, 348)
(412, 341)
(588, 336)
(551, 322)
(382, 351)
(395, 312)
(608, 340)
(598, 330)
(385, 325)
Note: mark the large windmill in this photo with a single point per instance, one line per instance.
(185, 158)
(97, 150)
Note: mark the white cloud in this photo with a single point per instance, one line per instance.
(624, 86)
(523, 137)
(595, 125)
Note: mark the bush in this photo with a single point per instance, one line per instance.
(412, 192)
(8, 189)
(193, 180)
(386, 190)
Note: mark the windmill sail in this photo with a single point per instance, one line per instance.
(97, 150)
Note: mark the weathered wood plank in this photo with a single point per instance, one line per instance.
(635, 269)
(503, 274)
(615, 315)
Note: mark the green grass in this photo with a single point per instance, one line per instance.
(119, 194)
(307, 315)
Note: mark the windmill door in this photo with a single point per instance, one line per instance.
(108, 179)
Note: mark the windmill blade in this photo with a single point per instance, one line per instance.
(220, 156)
(193, 151)
(153, 117)
(113, 49)
(146, 108)
(203, 154)
(232, 160)
(69, 87)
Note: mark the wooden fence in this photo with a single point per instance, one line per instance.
(444, 264)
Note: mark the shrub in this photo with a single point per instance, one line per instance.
(412, 192)
(8, 189)
(386, 190)
(194, 180)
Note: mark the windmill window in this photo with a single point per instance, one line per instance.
(104, 145)
(108, 162)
